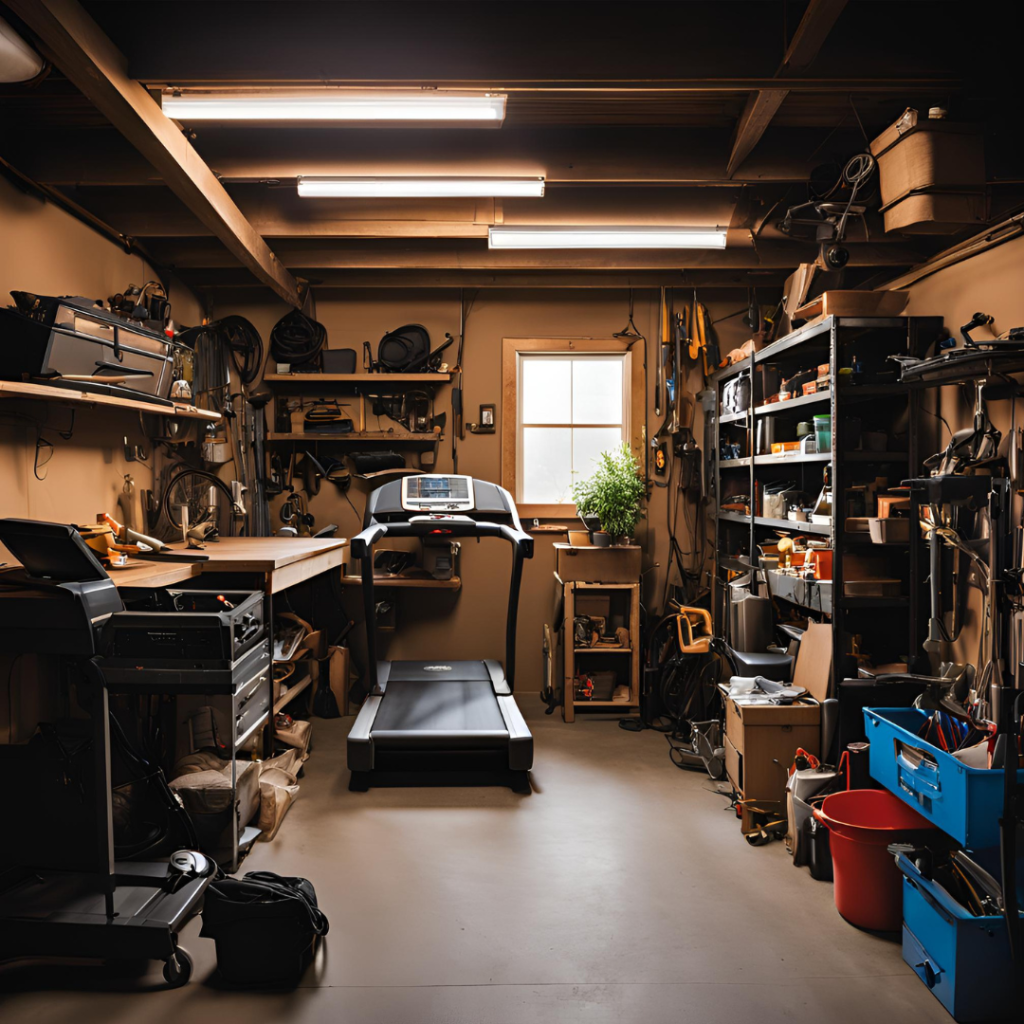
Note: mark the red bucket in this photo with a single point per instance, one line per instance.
(868, 884)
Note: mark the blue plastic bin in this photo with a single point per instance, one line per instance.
(965, 803)
(964, 960)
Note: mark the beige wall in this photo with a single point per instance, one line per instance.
(988, 283)
(46, 251)
(471, 623)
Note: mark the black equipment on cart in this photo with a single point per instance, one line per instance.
(79, 903)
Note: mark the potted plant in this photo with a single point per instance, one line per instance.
(613, 496)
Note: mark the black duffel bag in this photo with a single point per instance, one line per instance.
(265, 926)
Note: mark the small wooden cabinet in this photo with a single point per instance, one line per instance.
(616, 602)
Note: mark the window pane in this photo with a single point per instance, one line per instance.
(597, 391)
(547, 465)
(587, 444)
(546, 388)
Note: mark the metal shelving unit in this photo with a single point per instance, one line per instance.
(887, 627)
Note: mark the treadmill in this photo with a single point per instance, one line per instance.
(440, 715)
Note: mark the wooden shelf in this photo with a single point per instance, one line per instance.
(364, 437)
(603, 650)
(272, 379)
(69, 396)
(794, 403)
(426, 582)
(292, 692)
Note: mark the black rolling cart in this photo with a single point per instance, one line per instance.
(61, 892)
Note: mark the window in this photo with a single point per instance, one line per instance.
(565, 403)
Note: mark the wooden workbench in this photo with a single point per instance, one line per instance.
(282, 561)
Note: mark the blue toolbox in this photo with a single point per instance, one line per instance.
(966, 803)
(963, 959)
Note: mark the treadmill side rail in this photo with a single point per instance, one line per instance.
(360, 740)
(520, 739)
(497, 674)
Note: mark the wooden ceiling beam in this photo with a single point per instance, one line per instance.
(570, 156)
(310, 258)
(582, 280)
(763, 104)
(76, 45)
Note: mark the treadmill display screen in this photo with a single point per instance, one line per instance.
(435, 491)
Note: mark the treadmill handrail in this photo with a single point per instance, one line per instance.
(362, 548)
(365, 539)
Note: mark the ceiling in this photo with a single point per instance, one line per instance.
(643, 113)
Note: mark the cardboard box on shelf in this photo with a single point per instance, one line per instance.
(762, 739)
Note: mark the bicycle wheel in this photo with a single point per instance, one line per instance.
(206, 496)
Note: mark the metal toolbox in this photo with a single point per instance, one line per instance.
(964, 802)
(964, 960)
(68, 336)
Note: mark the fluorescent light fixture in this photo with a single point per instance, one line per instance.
(418, 188)
(333, 105)
(605, 238)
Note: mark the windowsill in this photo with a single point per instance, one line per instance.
(528, 511)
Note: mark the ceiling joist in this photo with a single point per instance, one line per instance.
(764, 104)
(76, 45)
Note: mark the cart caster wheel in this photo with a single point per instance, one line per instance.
(178, 970)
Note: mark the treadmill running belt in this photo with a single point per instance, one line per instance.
(466, 712)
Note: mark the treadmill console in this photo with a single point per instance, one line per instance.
(437, 493)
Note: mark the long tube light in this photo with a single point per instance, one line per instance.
(333, 105)
(418, 188)
(556, 237)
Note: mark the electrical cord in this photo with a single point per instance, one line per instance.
(244, 343)
(297, 339)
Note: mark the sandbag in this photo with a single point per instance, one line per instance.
(279, 786)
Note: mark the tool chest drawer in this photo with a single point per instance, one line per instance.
(964, 960)
(966, 803)
(251, 704)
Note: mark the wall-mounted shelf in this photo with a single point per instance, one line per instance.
(69, 396)
(289, 379)
(363, 437)
(425, 582)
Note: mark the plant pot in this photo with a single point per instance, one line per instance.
(592, 523)
(622, 542)
(600, 539)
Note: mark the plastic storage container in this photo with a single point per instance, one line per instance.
(862, 823)
(964, 960)
(966, 803)
(823, 432)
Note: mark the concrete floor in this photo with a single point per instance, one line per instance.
(619, 890)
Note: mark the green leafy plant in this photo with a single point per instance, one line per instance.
(614, 494)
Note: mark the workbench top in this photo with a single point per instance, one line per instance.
(284, 561)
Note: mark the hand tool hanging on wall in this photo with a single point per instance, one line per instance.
(679, 340)
(666, 340)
